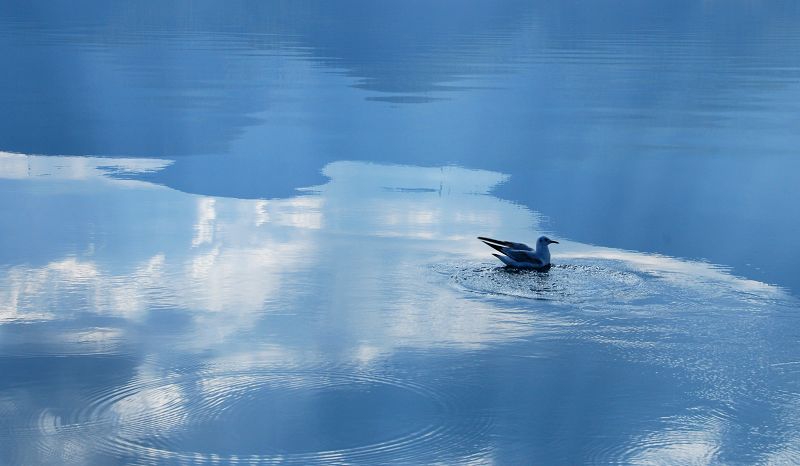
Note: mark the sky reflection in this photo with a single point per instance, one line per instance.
(255, 256)
(246, 254)
(367, 292)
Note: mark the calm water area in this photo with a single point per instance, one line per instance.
(244, 232)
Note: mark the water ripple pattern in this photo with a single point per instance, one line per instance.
(611, 285)
(251, 417)
(690, 320)
(585, 284)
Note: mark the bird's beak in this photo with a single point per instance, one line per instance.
(553, 242)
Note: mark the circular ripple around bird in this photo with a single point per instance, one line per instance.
(273, 416)
(568, 283)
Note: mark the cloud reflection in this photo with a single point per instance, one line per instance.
(246, 258)
(21, 166)
(319, 249)
(338, 280)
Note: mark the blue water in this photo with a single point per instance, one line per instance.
(245, 234)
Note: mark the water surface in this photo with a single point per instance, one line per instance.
(247, 235)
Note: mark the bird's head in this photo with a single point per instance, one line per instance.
(544, 241)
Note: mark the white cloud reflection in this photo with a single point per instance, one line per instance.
(246, 258)
(320, 253)
(15, 166)
(206, 215)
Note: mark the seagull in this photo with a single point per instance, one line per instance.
(521, 255)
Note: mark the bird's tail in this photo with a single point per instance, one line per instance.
(506, 260)
(495, 246)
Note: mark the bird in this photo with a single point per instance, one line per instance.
(520, 255)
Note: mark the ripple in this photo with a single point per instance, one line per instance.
(689, 318)
(271, 416)
(615, 285)
(694, 438)
(575, 283)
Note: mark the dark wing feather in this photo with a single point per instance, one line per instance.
(519, 255)
(496, 246)
(509, 244)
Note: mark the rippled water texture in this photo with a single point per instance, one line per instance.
(247, 235)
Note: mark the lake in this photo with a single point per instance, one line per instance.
(246, 233)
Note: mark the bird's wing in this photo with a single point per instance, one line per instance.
(519, 255)
(531, 257)
(508, 244)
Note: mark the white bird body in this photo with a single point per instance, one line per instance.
(520, 255)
